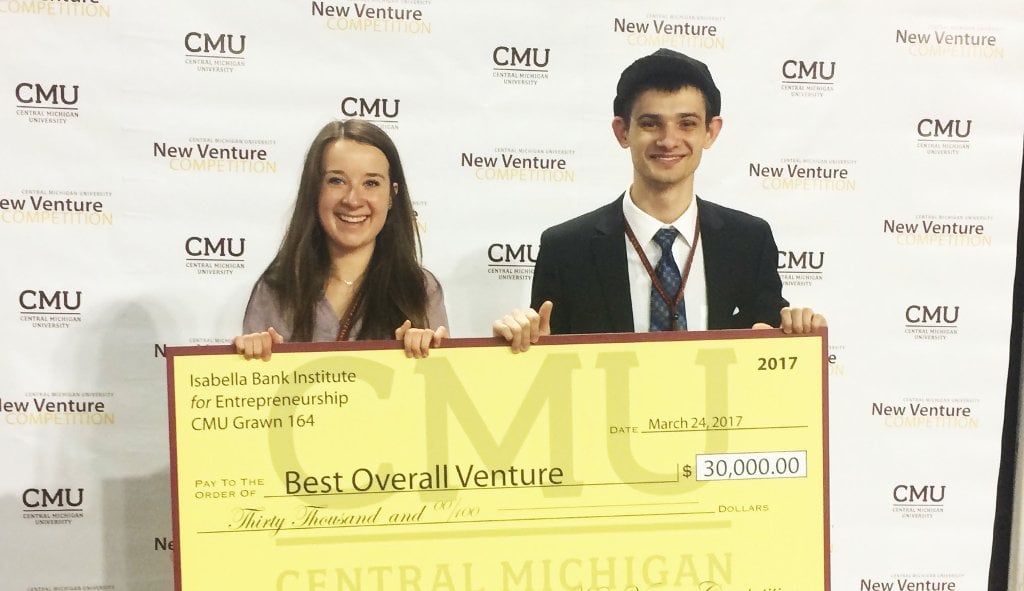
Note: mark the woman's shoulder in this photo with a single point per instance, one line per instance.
(436, 313)
(263, 309)
(430, 280)
(263, 293)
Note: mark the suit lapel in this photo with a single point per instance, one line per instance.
(719, 281)
(608, 251)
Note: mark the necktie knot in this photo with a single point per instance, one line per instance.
(665, 237)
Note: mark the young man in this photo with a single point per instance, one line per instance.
(658, 258)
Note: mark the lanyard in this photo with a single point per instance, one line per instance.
(672, 303)
(346, 324)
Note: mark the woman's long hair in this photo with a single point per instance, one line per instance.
(393, 285)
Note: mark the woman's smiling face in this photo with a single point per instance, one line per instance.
(355, 195)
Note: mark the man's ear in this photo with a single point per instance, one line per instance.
(620, 127)
(714, 128)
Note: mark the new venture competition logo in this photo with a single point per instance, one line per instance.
(218, 155)
(160, 349)
(57, 207)
(56, 8)
(912, 582)
(163, 544)
(805, 174)
(406, 17)
(52, 506)
(836, 360)
(381, 111)
(521, 164)
(215, 52)
(46, 103)
(918, 500)
(927, 413)
(511, 262)
(214, 255)
(808, 78)
(520, 66)
(950, 41)
(801, 268)
(942, 136)
(966, 231)
(673, 31)
(62, 409)
(421, 222)
(50, 308)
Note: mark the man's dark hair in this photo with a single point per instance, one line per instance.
(666, 70)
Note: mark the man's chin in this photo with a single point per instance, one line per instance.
(665, 181)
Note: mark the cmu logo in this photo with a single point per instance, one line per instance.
(202, 246)
(377, 108)
(928, 493)
(802, 261)
(61, 498)
(512, 253)
(207, 43)
(29, 93)
(38, 300)
(801, 70)
(515, 57)
(938, 128)
(935, 315)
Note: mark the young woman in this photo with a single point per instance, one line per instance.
(348, 267)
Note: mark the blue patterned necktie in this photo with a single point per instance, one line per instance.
(667, 273)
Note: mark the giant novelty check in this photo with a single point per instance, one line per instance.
(629, 462)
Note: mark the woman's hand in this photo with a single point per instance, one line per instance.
(258, 344)
(418, 341)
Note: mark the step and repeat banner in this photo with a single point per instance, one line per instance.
(151, 154)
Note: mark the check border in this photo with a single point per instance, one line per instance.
(172, 352)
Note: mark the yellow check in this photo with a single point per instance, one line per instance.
(631, 462)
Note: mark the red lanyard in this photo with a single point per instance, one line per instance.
(671, 303)
(346, 324)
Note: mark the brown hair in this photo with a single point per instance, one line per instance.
(393, 286)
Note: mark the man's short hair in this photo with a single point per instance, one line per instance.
(665, 70)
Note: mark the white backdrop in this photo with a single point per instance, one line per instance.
(123, 234)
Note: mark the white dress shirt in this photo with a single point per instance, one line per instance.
(644, 228)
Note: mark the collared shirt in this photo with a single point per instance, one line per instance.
(645, 227)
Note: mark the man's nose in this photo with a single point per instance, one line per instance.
(671, 136)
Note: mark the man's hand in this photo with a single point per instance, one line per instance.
(258, 344)
(797, 321)
(522, 328)
(418, 341)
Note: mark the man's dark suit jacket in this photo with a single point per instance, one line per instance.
(581, 267)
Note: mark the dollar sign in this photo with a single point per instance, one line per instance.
(687, 471)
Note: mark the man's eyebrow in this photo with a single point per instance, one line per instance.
(678, 115)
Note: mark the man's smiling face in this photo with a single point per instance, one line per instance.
(666, 134)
